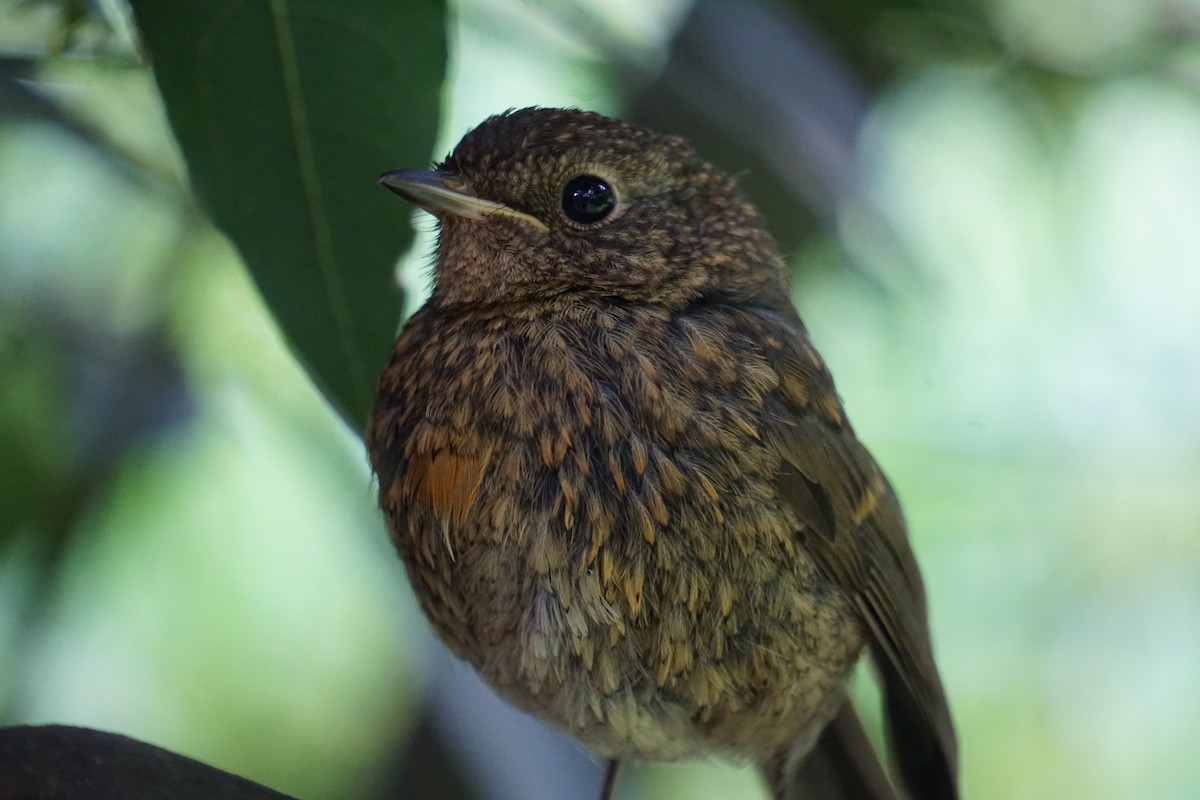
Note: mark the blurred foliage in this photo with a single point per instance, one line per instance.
(991, 208)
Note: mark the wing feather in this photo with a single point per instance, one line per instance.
(826, 473)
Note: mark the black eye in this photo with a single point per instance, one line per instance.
(587, 199)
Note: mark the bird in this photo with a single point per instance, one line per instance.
(622, 481)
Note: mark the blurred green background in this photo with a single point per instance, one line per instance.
(993, 210)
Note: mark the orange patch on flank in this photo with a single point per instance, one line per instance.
(447, 482)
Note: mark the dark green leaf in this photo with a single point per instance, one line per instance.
(287, 111)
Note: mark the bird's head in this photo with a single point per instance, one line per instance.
(542, 203)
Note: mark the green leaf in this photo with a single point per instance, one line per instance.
(287, 111)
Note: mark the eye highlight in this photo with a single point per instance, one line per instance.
(588, 199)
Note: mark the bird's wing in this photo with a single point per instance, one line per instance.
(856, 532)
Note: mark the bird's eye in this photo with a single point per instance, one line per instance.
(587, 199)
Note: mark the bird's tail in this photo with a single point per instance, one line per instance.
(841, 766)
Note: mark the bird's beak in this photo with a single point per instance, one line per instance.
(440, 192)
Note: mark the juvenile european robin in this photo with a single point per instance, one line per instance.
(622, 481)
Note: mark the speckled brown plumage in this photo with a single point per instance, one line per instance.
(621, 478)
